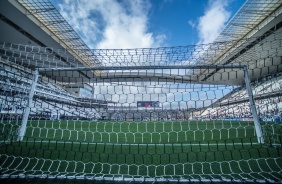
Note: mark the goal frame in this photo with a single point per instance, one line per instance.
(36, 72)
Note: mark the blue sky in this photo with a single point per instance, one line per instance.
(123, 24)
(147, 23)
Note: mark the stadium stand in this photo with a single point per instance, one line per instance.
(17, 80)
(268, 108)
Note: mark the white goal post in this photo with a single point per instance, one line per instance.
(257, 125)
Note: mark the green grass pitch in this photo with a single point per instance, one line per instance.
(165, 149)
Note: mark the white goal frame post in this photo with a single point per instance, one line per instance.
(257, 125)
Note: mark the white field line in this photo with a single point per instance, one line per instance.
(140, 179)
(143, 144)
(135, 179)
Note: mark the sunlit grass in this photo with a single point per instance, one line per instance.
(172, 149)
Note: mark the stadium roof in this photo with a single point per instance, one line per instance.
(247, 21)
(53, 22)
(38, 23)
(255, 18)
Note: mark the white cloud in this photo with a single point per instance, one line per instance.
(111, 23)
(124, 24)
(192, 23)
(213, 21)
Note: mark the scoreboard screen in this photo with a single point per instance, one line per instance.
(148, 104)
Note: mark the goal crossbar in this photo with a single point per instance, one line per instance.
(153, 67)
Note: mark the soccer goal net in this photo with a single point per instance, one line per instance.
(144, 115)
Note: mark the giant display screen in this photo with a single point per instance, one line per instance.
(148, 104)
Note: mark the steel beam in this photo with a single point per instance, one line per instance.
(154, 67)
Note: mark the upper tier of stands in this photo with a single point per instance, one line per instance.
(15, 84)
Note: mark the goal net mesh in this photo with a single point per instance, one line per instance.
(146, 115)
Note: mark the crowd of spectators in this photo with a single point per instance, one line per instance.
(16, 82)
(268, 100)
(49, 96)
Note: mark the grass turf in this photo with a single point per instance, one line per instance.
(172, 149)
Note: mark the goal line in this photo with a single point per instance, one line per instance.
(149, 144)
(135, 179)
